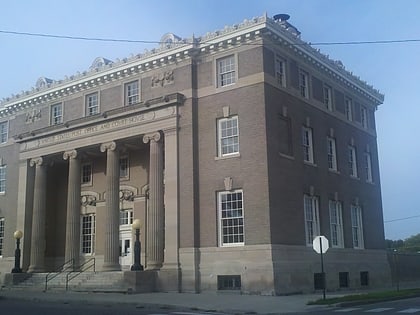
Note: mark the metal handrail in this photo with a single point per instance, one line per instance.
(88, 264)
(61, 269)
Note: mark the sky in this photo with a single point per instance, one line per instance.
(391, 68)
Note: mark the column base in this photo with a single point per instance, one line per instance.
(153, 266)
(36, 269)
(111, 267)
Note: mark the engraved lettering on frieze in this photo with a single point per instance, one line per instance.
(33, 116)
(163, 78)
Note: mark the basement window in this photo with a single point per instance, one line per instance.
(364, 278)
(229, 282)
(343, 278)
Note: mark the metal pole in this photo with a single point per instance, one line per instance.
(137, 251)
(322, 270)
(17, 268)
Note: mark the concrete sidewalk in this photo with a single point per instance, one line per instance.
(213, 302)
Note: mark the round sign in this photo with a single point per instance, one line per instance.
(320, 244)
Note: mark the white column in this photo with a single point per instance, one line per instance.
(112, 216)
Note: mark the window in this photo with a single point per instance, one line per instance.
(3, 179)
(364, 278)
(352, 161)
(132, 93)
(228, 134)
(56, 114)
(343, 279)
(336, 224)
(364, 117)
(88, 233)
(331, 154)
(87, 174)
(124, 167)
(307, 145)
(368, 167)
(280, 71)
(92, 104)
(126, 216)
(226, 72)
(1, 236)
(328, 97)
(357, 226)
(303, 84)
(231, 218)
(311, 218)
(348, 109)
(4, 130)
(229, 282)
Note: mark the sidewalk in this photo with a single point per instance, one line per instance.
(226, 303)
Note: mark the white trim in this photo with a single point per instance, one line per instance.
(238, 214)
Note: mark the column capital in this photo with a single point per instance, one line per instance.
(36, 161)
(72, 154)
(108, 146)
(155, 136)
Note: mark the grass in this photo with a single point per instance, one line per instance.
(371, 297)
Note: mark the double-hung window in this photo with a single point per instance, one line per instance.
(92, 104)
(228, 136)
(226, 71)
(231, 218)
(368, 167)
(2, 179)
(88, 234)
(328, 97)
(1, 236)
(280, 71)
(348, 103)
(331, 154)
(311, 213)
(304, 84)
(124, 167)
(364, 117)
(336, 223)
(352, 161)
(4, 131)
(357, 226)
(56, 114)
(132, 95)
(307, 145)
(86, 174)
(126, 217)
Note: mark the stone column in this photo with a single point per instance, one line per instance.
(72, 250)
(155, 215)
(112, 215)
(37, 261)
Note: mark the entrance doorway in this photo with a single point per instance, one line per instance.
(126, 241)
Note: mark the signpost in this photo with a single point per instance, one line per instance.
(320, 245)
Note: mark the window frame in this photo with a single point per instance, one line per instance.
(126, 217)
(303, 84)
(239, 227)
(280, 71)
(364, 117)
(89, 105)
(352, 161)
(91, 237)
(357, 226)
(82, 175)
(125, 176)
(332, 154)
(54, 118)
(226, 73)
(336, 226)
(3, 174)
(368, 167)
(328, 98)
(235, 136)
(348, 108)
(2, 235)
(132, 98)
(308, 145)
(4, 131)
(312, 223)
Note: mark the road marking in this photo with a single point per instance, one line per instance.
(410, 310)
(351, 309)
(378, 310)
(196, 313)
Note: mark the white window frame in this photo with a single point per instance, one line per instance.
(304, 84)
(2, 233)
(328, 101)
(4, 131)
(280, 71)
(336, 223)
(364, 117)
(348, 104)
(368, 167)
(89, 249)
(331, 154)
(82, 175)
(228, 136)
(231, 217)
(92, 104)
(307, 145)
(352, 161)
(56, 114)
(311, 215)
(3, 173)
(124, 167)
(226, 71)
(126, 217)
(357, 226)
(132, 93)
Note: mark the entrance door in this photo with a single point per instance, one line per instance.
(126, 243)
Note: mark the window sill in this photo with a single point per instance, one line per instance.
(310, 164)
(286, 156)
(354, 177)
(334, 171)
(234, 155)
(86, 184)
(232, 245)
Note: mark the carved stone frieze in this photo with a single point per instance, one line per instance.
(88, 200)
(162, 79)
(33, 116)
(126, 195)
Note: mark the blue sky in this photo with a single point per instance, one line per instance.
(392, 68)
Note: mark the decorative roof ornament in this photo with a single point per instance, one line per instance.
(43, 82)
(169, 40)
(100, 62)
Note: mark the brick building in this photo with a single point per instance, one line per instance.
(234, 149)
